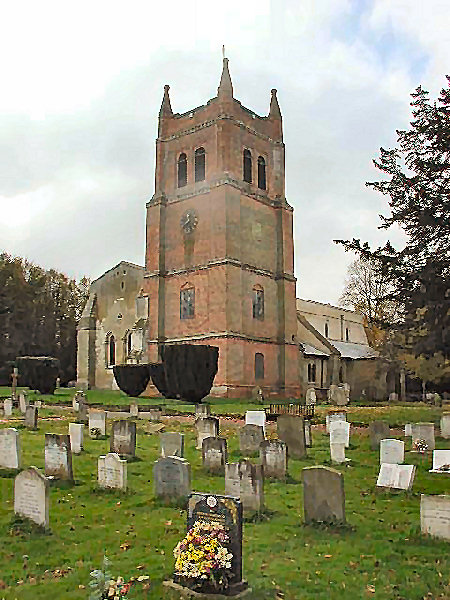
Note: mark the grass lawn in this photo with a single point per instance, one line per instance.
(380, 554)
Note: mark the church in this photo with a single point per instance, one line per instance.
(219, 268)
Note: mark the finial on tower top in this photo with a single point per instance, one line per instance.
(274, 111)
(166, 109)
(225, 89)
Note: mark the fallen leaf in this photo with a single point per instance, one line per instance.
(140, 567)
(371, 589)
(328, 556)
(125, 546)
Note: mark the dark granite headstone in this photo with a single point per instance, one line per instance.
(250, 438)
(378, 430)
(291, 430)
(323, 495)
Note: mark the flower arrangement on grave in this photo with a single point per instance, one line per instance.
(104, 586)
(95, 432)
(420, 446)
(445, 468)
(202, 558)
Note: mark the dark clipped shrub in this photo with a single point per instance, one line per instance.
(38, 372)
(158, 375)
(6, 370)
(132, 379)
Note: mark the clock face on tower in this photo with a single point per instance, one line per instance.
(188, 221)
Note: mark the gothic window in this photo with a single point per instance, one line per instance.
(182, 170)
(187, 303)
(347, 335)
(261, 173)
(200, 164)
(247, 175)
(258, 303)
(259, 365)
(326, 330)
(128, 341)
(111, 351)
(312, 372)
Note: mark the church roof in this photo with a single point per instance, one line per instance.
(311, 350)
(354, 351)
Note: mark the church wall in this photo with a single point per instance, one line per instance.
(318, 314)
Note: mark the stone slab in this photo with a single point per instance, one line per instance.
(250, 438)
(76, 433)
(323, 495)
(440, 459)
(291, 430)
(395, 476)
(274, 459)
(58, 456)
(378, 430)
(445, 425)
(123, 438)
(392, 451)
(423, 431)
(245, 481)
(112, 471)
(206, 427)
(171, 443)
(31, 496)
(214, 454)
(172, 478)
(340, 433)
(256, 417)
(10, 449)
(435, 516)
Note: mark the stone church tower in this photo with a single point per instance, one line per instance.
(219, 255)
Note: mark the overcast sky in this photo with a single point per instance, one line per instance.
(82, 84)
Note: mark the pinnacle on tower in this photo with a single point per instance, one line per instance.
(166, 109)
(274, 111)
(225, 89)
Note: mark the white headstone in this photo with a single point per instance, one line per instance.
(337, 452)
(441, 458)
(340, 433)
(8, 407)
(308, 436)
(206, 427)
(392, 451)
(10, 454)
(256, 417)
(58, 456)
(97, 422)
(408, 429)
(396, 476)
(23, 402)
(435, 516)
(112, 471)
(342, 416)
(31, 496)
(311, 398)
(76, 437)
(445, 425)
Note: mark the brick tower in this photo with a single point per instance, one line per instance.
(219, 256)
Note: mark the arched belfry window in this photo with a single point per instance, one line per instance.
(261, 173)
(347, 334)
(247, 166)
(182, 170)
(187, 302)
(129, 345)
(200, 164)
(259, 366)
(258, 303)
(111, 351)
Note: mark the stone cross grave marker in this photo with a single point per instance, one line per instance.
(31, 417)
(23, 402)
(112, 471)
(308, 434)
(337, 452)
(392, 451)
(423, 431)
(340, 433)
(435, 515)
(14, 378)
(8, 407)
(256, 417)
(395, 476)
(202, 410)
(172, 478)
(250, 437)
(378, 430)
(171, 443)
(274, 459)
(10, 450)
(291, 430)
(311, 398)
(441, 458)
(97, 423)
(214, 454)
(408, 429)
(78, 397)
(245, 481)
(123, 438)
(206, 427)
(445, 425)
(332, 417)
(76, 431)
(58, 456)
(323, 495)
(31, 496)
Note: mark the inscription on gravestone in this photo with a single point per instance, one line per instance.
(112, 471)
(123, 438)
(246, 481)
(10, 448)
(273, 456)
(171, 444)
(206, 427)
(214, 454)
(31, 496)
(250, 437)
(58, 456)
(172, 478)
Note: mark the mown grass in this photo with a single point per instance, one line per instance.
(380, 554)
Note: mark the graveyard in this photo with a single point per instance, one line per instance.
(372, 546)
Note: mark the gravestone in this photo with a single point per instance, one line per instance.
(323, 495)
(82, 412)
(423, 431)
(337, 395)
(76, 431)
(337, 452)
(393, 397)
(8, 407)
(171, 444)
(395, 476)
(154, 414)
(23, 402)
(435, 516)
(332, 417)
(340, 433)
(311, 398)
(408, 429)
(445, 425)
(256, 417)
(308, 434)
(202, 410)
(123, 438)
(441, 462)
(378, 430)
(392, 451)
(206, 427)
(14, 378)
(31, 496)
(112, 471)
(273, 456)
(172, 478)
(10, 452)
(78, 397)
(226, 511)
(250, 437)
(214, 454)
(58, 456)
(134, 410)
(31, 417)
(245, 481)
(97, 423)
(291, 430)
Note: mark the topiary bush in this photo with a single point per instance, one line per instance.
(38, 372)
(132, 379)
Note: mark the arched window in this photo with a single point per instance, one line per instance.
(341, 375)
(247, 175)
(326, 330)
(111, 351)
(312, 372)
(187, 302)
(347, 335)
(259, 365)
(258, 302)
(199, 163)
(261, 173)
(182, 170)
(129, 344)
